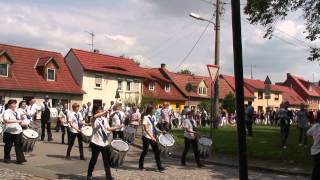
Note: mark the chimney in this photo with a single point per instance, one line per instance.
(96, 51)
(163, 66)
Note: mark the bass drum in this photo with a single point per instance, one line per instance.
(204, 146)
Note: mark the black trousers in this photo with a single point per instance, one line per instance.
(284, 130)
(117, 134)
(64, 129)
(73, 137)
(303, 139)
(145, 147)
(10, 140)
(194, 144)
(46, 124)
(95, 151)
(316, 168)
(249, 127)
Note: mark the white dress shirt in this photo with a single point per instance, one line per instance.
(118, 120)
(146, 121)
(72, 118)
(12, 128)
(100, 126)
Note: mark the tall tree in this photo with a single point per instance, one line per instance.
(185, 71)
(268, 12)
(229, 103)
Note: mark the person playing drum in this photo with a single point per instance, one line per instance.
(99, 141)
(190, 138)
(25, 116)
(13, 133)
(63, 116)
(117, 119)
(75, 121)
(149, 138)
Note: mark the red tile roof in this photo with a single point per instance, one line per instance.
(42, 61)
(231, 82)
(291, 96)
(93, 61)
(303, 84)
(24, 76)
(160, 79)
(181, 81)
(258, 84)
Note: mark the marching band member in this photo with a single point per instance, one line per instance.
(99, 141)
(149, 138)
(13, 133)
(63, 115)
(75, 121)
(135, 117)
(89, 112)
(118, 118)
(25, 116)
(32, 109)
(45, 119)
(190, 133)
(165, 118)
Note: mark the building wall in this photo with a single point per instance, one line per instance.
(264, 103)
(75, 68)
(109, 87)
(176, 106)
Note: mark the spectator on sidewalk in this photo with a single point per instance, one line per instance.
(302, 118)
(314, 131)
(249, 118)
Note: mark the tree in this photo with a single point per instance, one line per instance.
(185, 71)
(268, 12)
(229, 103)
(205, 105)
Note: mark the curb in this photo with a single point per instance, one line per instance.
(254, 168)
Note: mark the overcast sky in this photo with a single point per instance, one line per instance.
(155, 32)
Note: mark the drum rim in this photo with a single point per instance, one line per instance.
(120, 140)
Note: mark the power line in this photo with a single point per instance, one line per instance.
(194, 46)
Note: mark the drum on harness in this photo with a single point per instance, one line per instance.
(86, 133)
(35, 125)
(166, 142)
(204, 146)
(118, 152)
(29, 138)
(129, 134)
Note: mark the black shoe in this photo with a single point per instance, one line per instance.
(21, 162)
(183, 164)
(68, 158)
(89, 177)
(50, 139)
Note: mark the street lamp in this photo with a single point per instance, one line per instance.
(198, 17)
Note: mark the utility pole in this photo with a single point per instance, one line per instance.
(215, 100)
(92, 37)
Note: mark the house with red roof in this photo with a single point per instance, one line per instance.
(290, 96)
(27, 73)
(308, 91)
(162, 89)
(101, 76)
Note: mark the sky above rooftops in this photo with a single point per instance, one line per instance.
(155, 32)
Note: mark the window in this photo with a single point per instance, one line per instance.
(51, 74)
(98, 81)
(260, 94)
(128, 86)
(4, 69)
(151, 86)
(167, 87)
(136, 86)
(202, 90)
(276, 98)
(119, 85)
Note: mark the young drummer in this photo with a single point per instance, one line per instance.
(118, 118)
(12, 133)
(99, 141)
(190, 133)
(75, 121)
(24, 115)
(149, 138)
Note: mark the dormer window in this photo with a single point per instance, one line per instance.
(202, 91)
(167, 87)
(51, 74)
(151, 86)
(4, 70)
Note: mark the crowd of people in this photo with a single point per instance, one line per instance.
(106, 122)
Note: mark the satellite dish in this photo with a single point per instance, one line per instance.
(189, 87)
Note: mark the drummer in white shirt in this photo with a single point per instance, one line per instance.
(149, 137)
(63, 116)
(99, 141)
(190, 138)
(33, 108)
(76, 122)
(12, 133)
(117, 119)
(24, 115)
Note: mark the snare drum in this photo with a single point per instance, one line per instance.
(29, 138)
(118, 152)
(86, 133)
(165, 141)
(129, 134)
(204, 146)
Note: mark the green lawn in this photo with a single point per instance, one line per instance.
(264, 145)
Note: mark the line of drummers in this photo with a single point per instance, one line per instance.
(107, 131)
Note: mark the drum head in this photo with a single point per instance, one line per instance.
(130, 129)
(166, 140)
(205, 141)
(87, 130)
(31, 134)
(120, 145)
